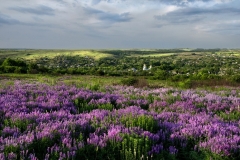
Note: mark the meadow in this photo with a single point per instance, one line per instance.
(67, 118)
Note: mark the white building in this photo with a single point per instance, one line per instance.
(145, 67)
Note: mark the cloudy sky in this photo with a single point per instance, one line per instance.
(119, 24)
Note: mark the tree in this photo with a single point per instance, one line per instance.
(12, 62)
(9, 62)
(32, 68)
(161, 75)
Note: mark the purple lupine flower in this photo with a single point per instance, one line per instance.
(11, 156)
(113, 134)
(156, 149)
(2, 157)
(173, 150)
(98, 141)
(49, 110)
(32, 157)
(46, 157)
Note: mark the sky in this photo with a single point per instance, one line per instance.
(119, 24)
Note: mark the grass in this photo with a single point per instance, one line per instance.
(51, 54)
(82, 81)
(36, 54)
(99, 82)
(78, 80)
(152, 55)
(181, 55)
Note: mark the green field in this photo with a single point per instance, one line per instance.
(32, 54)
(153, 55)
(36, 54)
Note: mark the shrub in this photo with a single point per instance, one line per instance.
(161, 75)
(129, 81)
(178, 77)
(141, 83)
(185, 84)
(9, 69)
(235, 78)
(100, 72)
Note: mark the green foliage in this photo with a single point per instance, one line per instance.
(9, 69)
(71, 71)
(235, 78)
(178, 77)
(150, 98)
(20, 70)
(83, 106)
(212, 156)
(19, 123)
(229, 116)
(192, 155)
(185, 84)
(129, 81)
(39, 146)
(100, 72)
(91, 152)
(94, 86)
(135, 147)
(141, 83)
(107, 106)
(161, 75)
(172, 99)
(12, 62)
(11, 148)
(213, 76)
(145, 122)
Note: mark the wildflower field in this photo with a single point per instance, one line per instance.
(62, 122)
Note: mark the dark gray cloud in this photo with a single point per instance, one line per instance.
(193, 15)
(173, 20)
(187, 2)
(39, 10)
(199, 11)
(4, 19)
(108, 16)
(94, 2)
(112, 17)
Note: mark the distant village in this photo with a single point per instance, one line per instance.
(206, 63)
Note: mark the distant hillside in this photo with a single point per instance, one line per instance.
(171, 64)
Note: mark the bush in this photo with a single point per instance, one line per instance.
(235, 78)
(9, 69)
(100, 72)
(185, 84)
(178, 77)
(131, 81)
(141, 83)
(20, 70)
(32, 71)
(161, 75)
(213, 76)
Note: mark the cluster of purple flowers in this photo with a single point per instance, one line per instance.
(38, 121)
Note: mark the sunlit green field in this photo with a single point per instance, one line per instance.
(30, 54)
(36, 54)
(78, 80)
(153, 55)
